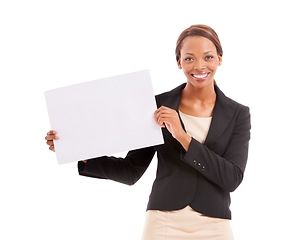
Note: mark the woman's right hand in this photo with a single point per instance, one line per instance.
(51, 135)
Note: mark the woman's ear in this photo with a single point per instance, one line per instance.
(220, 59)
(179, 65)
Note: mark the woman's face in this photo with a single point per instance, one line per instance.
(199, 61)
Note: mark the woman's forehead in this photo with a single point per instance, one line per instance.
(197, 43)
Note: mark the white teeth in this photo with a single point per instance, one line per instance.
(200, 76)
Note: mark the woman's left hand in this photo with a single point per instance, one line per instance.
(169, 118)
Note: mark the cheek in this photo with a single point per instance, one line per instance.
(187, 67)
(213, 65)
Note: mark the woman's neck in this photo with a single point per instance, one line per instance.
(205, 95)
(198, 102)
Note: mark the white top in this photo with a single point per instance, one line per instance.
(196, 127)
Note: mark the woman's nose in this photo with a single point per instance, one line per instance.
(198, 65)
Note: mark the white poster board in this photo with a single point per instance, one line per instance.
(103, 117)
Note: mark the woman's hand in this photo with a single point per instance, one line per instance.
(169, 118)
(51, 135)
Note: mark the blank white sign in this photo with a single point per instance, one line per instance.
(103, 117)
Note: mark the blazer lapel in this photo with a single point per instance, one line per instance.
(222, 113)
(173, 100)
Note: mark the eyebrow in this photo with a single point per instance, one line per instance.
(204, 53)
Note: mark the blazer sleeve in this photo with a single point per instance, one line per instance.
(227, 170)
(126, 170)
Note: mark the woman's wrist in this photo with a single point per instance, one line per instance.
(184, 139)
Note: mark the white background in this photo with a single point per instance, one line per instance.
(50, 44)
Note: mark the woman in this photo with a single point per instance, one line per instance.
(203, 159)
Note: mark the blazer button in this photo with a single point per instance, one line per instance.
(195, 162)
(199, 164)
(203, 168)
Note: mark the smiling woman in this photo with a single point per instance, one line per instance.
(204, 154)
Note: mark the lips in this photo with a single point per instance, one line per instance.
(200, 76)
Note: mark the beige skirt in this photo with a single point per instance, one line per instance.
(185, 224)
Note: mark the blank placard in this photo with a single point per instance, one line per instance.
(103, 117)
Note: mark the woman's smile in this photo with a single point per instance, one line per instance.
(200, 76)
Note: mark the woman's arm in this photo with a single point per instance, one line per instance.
(226, 171)
(126, 170)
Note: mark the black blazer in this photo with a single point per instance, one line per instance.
(202, 177)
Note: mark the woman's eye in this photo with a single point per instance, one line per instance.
(208, 57)
(188, 59)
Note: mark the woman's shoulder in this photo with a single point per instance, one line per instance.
(239, 105)
(173, 92)
(223, 98)
(170, 98)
